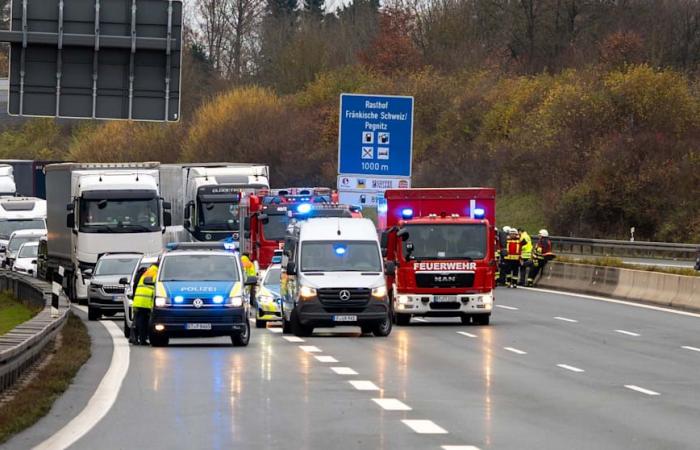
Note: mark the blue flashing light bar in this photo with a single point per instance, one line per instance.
(304, 208)
(479, 213)
(407, 214)
(340, 250)
(179, 299)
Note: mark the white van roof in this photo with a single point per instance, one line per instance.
(326, 229)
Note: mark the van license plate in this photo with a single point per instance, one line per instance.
(345, 318)
(198, 326)
(445, 298)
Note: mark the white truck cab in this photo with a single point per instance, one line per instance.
(333, 275)
(8, 188)
(20, 213)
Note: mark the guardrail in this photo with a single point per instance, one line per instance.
(22, 347)
(608, 247)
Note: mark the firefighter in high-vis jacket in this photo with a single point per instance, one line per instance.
(143, 305)
(512, 258)
(541, 255)
(525, 255)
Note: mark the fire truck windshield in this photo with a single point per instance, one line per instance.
(215, 216)
(275, 228)
(443, 241)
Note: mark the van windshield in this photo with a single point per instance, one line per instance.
(340, 256)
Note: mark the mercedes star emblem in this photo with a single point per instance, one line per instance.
(344, 295)
(197, 303)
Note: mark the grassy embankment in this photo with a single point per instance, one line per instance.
(13, 312)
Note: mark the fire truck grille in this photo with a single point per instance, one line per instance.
(332, 297)
(444, 280)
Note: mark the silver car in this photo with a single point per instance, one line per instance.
(105, 293)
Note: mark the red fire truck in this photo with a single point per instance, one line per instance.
(439, 249)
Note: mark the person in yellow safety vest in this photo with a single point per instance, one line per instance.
(248, 271)
(512, 258)
(143, 305)
(526, 255)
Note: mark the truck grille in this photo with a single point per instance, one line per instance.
(359, 297)
(444, 280)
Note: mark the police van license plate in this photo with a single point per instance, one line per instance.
(445, 298)
(345, 318)
(198, 326)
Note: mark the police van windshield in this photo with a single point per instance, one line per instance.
(115, 266)
(7, 227)
(463, 241)
(343, 256)
(219, 216)
(276, 227)
(199, 268)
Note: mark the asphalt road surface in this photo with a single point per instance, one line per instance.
(552, 371)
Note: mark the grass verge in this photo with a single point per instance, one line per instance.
(13, 312)
(33, 401)
(617, 262)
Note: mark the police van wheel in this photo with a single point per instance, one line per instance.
(298, 329)
(94, 313)
(403, 319)
(383, 328)
(260, 323)
(367, 329)
(243, 338)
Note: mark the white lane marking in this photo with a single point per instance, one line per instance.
(464, 333)
(459, 447)
(274, 330)
(687, 347)
(571, 368)
(515, 350)
(292, 339)
(326, 359)
(641, 389)
(619, 302)
(419, 319)
(628, 333)
(511, 308)
(310, 348)
(391, 404)
(102, 400)
(424, 426)
(343, 370)
(364, 385)
(566, 319)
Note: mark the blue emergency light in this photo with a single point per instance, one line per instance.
(479, 213)
(407, 214)
(382, 207)
(340, 250)
(304, 208)
(218, 299)
(179, 299)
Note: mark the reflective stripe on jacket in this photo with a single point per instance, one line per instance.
(513, 249)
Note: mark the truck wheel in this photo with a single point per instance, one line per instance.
(158, 340)
(243, 338)
(260, 323)
(466, 319)
(403, 319)
(383, 328)
(297, 328)
(482, 319)
(94, 313)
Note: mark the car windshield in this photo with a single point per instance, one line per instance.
(219, 216)
(464, 241)
(119, 216)
(7, 227)
(115, 266)
(28, 251)
(272, 280)
(276, 227)
(199, 268)
(340, 256)
(17, 241)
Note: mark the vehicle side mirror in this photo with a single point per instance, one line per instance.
(167, 218)
(409, 248)
(87, 273)
(70, 220)
(264, 219)
(2, 249)
(403, 234)
(123, 281)
(246, 224)
(188, 210)
(390, 268)
(291, 268)
(251, 281)
(70, 207)
(33, 261)
(187, 224)
(167, 206)
(149, 281)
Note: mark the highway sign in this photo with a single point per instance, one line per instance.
(376, 135)
(95, 59)
(371, 184)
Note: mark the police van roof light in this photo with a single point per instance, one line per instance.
(304, 208)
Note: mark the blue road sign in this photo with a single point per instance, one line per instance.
(376, 135)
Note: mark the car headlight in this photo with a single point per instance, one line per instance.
(307, 292)
(379, 292)
(235, 302)
(265, 299)
(161, 302)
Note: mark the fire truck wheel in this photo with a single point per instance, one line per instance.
(482, 319)
(466, 319)
(403, 319)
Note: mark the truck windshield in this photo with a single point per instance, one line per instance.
(119, 216)
(276, 227)
(115, 266)
(340, 256)
(28, 251)
(465, 241)
(199, 268)
(216, 216)
(9, 226)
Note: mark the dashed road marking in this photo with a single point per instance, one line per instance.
(566, 319)
(459, 447)
(511, 308)
(515, 350)
(641, 389)
(326, 359)
(628, 333)
(424, 426)
(310, 348)
(344, 370)
(571, 368)
(391, 404)
(688, 347)
(275, 330)
(364, 385)
(464, 333)
(292, 339)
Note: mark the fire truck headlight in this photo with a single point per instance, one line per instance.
(403, 299)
